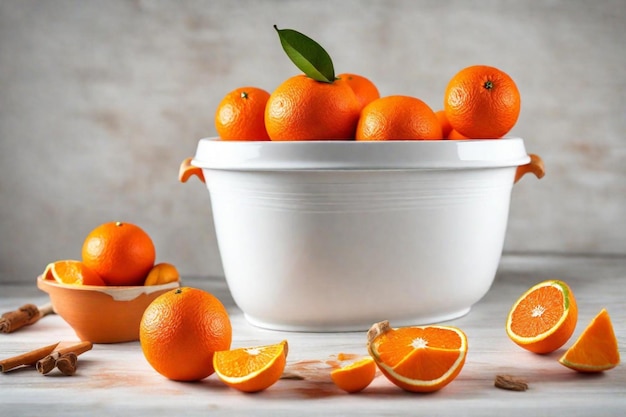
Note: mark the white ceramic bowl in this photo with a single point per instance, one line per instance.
(337, 235)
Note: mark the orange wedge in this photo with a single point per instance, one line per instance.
(356, 376)
(596, 349)
(544, 317)
(251, 369)
(418, 359)
(72, 272)
(162, 273)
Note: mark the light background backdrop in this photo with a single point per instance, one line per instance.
(100, 101)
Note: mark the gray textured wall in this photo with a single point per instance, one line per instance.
(101, 100)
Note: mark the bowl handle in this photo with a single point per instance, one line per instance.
(187, 170)
(535, 166)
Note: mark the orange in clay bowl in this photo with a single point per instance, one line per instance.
(102, 314)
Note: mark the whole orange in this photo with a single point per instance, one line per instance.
(446, 127)
(482, 102)
(365, 90)
(304, 109)
(455, 135)
(121, 253)
(398, 118)
(181, 330)
(240, 115)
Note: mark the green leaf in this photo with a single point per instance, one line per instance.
(307, 55)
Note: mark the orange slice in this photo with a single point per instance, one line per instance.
(72, 272)
(356, 376)
(544, 317)
(162, 273)
(596, 349)
(419, 359)
(251, 369)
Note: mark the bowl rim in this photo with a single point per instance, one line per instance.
(214, 153)
(117, 292)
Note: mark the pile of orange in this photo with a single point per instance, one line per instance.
(480, 102)
(186, 333)
(114, 254)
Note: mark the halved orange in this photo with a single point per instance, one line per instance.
(162, 273)
(72, 272)
(355, 376)
(251, 369)
(419, 358)
(544, 317)
(596, 349)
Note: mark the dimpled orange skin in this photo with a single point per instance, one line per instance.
(446, 128)
(482, 102)
(398, 118)
(304, 109)
(121, 253)
(365, 90)
(181, 330)
(240, 115)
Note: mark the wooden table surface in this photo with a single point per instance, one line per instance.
(115, 379)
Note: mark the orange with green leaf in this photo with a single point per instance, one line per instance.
(315, 105)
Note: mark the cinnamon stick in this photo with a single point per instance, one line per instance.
(67, 363)
(23, 316)
(49, 362)
(28, 358)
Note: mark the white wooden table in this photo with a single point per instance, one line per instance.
(116, 380)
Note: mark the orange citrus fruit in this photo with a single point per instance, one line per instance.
(304, 109)
(355, 376)
(455, 135)
(181, 330)
(419, 358)
(544, 317)
(240, 115)
(398, 118)
(596, 349)
(121, 253)
(482, 102)
(162, 273)
(251, 369)
(446, 127)
(72, 272)
(365, 90)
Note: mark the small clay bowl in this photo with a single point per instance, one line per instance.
(102, 314)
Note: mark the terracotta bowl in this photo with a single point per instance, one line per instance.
(102, 314)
